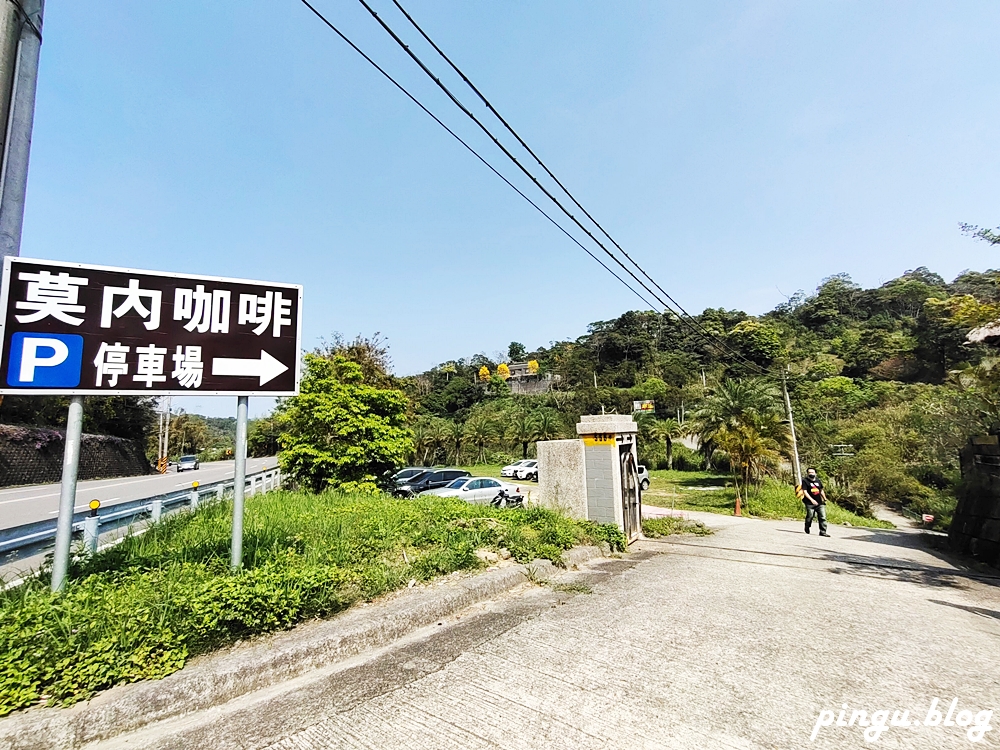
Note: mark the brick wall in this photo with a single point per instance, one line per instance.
(975, 527)
(602, 500)
(33, 455)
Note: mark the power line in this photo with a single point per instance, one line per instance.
(535, 156)
(475, 153)
(499, 145)
(683, 315)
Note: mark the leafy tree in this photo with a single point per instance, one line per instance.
(835, 302)
(130, 417)
(341, 432)
(759, 342)
(497, 386)
(532, 366)
(503, 372)
(370, 354)
(456, 397)
(516, 352)
(985, 234)
(262, 436)
(484, 374)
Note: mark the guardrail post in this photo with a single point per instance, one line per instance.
(193, 496)
(157, 509)
(220, 490)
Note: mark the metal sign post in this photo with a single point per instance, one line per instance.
(67, 492)
(75, 329)
(239, 484)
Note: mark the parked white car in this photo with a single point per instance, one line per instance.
(643, 473)
(509, 469)
(527, 470)
(477, 490)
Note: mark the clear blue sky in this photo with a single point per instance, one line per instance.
(739, 150)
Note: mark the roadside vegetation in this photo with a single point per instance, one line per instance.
(713, 492)
(141, 609)
(884, 383)
(654, 528)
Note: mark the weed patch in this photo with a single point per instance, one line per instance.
(141, 609)
(655, 528)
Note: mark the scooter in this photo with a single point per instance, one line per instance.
(505, 500)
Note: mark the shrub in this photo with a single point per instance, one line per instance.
(685, 459)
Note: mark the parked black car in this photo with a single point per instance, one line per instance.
(429, 480)
(404, 475)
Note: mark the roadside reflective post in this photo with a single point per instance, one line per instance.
(239, 482)
(91, 528)
(67, 493)
(194, 496)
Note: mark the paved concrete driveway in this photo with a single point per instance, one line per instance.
(737, 640)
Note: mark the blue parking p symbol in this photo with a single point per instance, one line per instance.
(45, 360)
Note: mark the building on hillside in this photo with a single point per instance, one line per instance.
(524, 382)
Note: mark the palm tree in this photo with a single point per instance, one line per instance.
(420, 440)
(521, 431)
(456, 436)
(666, 431)
(733, 404)
(437, 438)
(547, 426)
(751, 453)
(480, 432)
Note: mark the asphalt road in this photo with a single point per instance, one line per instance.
(21, 505)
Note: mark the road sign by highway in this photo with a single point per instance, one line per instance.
(75, 329)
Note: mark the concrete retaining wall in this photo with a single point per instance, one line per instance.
(975, 527)
(33, 455)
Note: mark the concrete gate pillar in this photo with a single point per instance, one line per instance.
(594, 477)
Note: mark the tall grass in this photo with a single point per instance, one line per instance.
(773, 499)
(141, 609)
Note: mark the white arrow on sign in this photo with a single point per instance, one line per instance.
(267, 367)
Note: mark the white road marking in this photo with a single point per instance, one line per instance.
(107, 484)
(209, 476)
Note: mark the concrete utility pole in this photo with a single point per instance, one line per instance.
(20, 45)
(791, 426)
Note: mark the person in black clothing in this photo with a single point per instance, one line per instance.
(814, 498)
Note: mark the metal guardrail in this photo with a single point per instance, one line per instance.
(127, 513)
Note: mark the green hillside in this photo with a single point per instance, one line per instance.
(885, 388)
